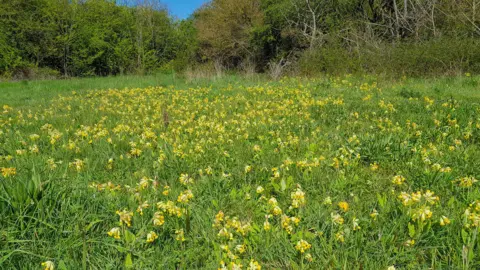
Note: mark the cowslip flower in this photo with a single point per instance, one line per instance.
(355, 224)
(398, 180)
(158, 219)
(185, 196)
(7, 172)
(444, 221)
(125, 217)
(409, 243)
(48, 265)
(142, 206)
(336, 218)
(180, 235)
(254, 265)
(114, 232)
(302, 246)
(151, 236)
(422, 213)
(185, 179)
(298, 198)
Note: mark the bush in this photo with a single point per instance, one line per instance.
(446, 56)
(34, 73)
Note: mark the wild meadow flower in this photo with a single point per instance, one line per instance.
(398, 180)
(340, 236)
(51, 164)
(142, 206)
(109, 165)
(225, 234)
(405, 198)
(429, 197)
(48, 265)
(298, 198)
(77, 164)
(302, 246)
(355, 224)
(8, 172)
(240, 249)
(409, 243)
(158, 219)
(135, 152)
(343, 206)
(254, 265)
(467, 181)
(185, 196)
(260, 190)
(125, 217)
(337, 219)
(151, 237)
(423, 213)
(277, 210)
(144, 183)
(180, 235)
(266, 224)
(170, 208)
(219, 218)
(166, 190)
(185, 179)
(444, 221)
(286, 224)
(114, 232)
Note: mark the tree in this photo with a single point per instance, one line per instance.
(226, 29)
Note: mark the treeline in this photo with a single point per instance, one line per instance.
(411, 37)
(90, 37)
(41, 38)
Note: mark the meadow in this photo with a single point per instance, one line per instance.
(156, 172)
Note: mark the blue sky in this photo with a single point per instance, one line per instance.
(183, 8)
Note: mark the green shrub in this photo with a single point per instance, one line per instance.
(445, 56)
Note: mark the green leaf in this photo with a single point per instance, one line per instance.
(411, 230)
(283, 185)
(62, 265)
(464, 236)
(451, 201)
(89, 226)
(294, 265)
(215, 203)
(128, 261)
(381, 200)
(129, 237)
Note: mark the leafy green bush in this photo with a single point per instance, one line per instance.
(446, 56)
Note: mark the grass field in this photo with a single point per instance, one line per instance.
(157, 173)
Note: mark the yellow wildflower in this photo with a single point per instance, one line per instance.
(343, 205)
(151, 236)
(302, 246)
(114, 232)
(125, 217)
(48, 265)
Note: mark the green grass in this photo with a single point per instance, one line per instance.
(81, 157)
(26, 93)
